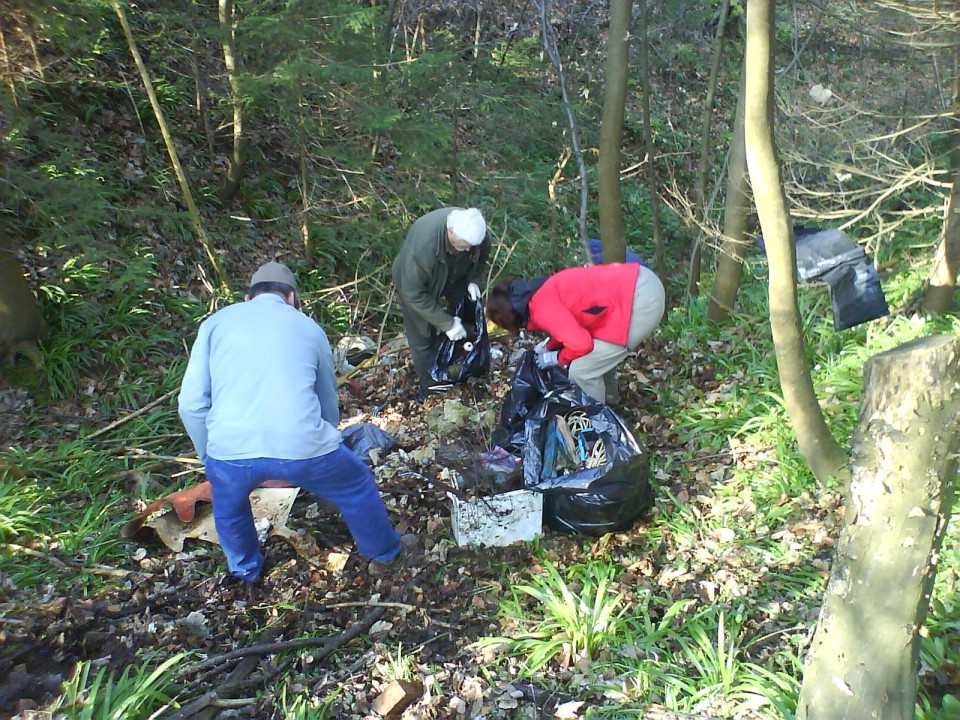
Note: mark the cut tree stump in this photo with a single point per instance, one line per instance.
(864, 658)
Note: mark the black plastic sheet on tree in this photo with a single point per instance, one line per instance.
(457, 361)
(831, 256)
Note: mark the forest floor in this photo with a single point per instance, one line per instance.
(432, 613)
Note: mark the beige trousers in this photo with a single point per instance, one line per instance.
(596, 372)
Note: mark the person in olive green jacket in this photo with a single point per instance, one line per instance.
(443, 256)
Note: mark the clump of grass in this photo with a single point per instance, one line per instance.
(303, 707)
(395, 666)
(139, 691)
(576, 616)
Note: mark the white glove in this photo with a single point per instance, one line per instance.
(548, 359)
(456, 331)
(541, 347)
(473, 290)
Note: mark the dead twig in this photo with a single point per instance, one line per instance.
(233, 682)
(326, 645)
(372, 603)
(134, 414)
(54, 560)
(140, 452)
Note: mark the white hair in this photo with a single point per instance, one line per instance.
(468, 225)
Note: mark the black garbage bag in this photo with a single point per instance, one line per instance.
(530, 385)
(594, 475)
(363, 438)
(457, 361)
(831, 256)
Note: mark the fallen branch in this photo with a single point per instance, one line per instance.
(371, 603)
(131, 416)
(327, 645)
(54, 560)
(140, 452)
(233, 682)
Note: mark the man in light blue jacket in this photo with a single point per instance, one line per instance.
(259, 401)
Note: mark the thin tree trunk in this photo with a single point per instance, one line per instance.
(700, 210)
(232, 61)
(8, 73)
(726, 284)
(552, 192)
(550, 47)
(476, 34)
(305, 199)
(942, 284)
(611, 133)
(941, 287)
(202, 106)
(819, 448)
(652, 192)
(171, 149)
(31, 41)
(387, 32)
(864, 658)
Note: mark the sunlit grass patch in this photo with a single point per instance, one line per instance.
(63, 517)
(571, 616)
(139, 691)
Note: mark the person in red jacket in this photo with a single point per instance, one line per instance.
(594, 316)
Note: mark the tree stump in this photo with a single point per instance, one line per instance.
(20, 322)
(864, 658)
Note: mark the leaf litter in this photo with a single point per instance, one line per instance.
(319, 625)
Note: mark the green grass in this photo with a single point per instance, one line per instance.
(138, 692)
(735, 573)
(576, 615)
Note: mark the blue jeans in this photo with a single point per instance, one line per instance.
(339, 477)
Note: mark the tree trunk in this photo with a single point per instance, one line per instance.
(611, 133)
(821, 451)
(8, 72)
(20, 322)
(550, 48)
(942, 284)
(652, 191)
(726, 284)
(232, 62)
(700, 210)
(864, 658)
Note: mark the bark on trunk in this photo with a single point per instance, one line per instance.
(20, 323)
(232, 61)
(701, 210)
(864, 658)
(821, 451)
(941, 287)
(726, 285)
(648, 144)
(611, 133)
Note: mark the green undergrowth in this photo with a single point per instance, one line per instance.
(710, 614)
(743, 547)
(700, 637)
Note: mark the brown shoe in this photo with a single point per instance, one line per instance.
(408, 547)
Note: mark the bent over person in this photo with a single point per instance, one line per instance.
(259, 401)
(593, 316)
(443, 256)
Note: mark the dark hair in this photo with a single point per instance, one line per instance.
(500, 309)
(279, 288)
